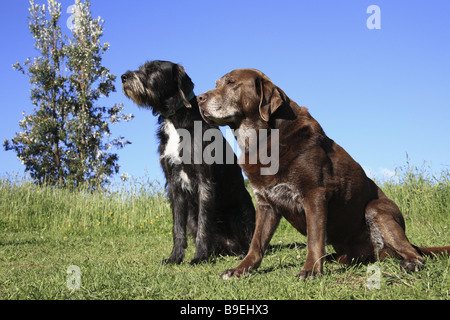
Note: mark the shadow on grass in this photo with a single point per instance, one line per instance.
(277, 247)
(271, 249)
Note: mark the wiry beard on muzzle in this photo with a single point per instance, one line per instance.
(135, 90)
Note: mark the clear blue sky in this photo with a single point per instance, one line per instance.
(378, 93)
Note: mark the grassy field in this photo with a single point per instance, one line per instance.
(118, 238)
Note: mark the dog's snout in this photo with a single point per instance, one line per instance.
(202, 98)
(124, 78)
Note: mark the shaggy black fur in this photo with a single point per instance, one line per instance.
(211, 200)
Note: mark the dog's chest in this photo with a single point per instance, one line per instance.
(170, 154)
(282, 195)
(286, 200)
(171, 147)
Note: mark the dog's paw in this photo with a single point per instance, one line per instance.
(233, 273)
(172, 260)
(309, 274)
(411, 265)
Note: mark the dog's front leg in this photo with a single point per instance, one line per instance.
(267, 221)
(315, 207)
(179, 212)
(204, 241)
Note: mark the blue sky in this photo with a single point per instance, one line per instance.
(378, 93)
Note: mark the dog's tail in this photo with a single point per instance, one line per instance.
(430, 251)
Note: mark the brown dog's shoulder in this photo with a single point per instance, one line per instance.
(305, 121)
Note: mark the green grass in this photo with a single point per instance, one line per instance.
(118, 238)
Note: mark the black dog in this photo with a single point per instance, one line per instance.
(210, 199)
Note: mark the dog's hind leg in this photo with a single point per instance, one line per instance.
(387, 230)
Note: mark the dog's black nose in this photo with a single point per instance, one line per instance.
(202, 98)
(124, 78)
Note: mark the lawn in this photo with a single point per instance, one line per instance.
(117, 238)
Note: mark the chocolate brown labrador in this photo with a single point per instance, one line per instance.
(318, 187)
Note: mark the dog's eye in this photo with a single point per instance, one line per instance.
(230, 82)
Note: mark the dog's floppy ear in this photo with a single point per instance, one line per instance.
(184, 84)
(271, 97)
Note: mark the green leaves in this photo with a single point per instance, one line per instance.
(66, 140)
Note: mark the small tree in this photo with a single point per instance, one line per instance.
(63, 142)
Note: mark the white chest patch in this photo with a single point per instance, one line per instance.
(282, 194)
(172, 150)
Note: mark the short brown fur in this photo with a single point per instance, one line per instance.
(319, 188)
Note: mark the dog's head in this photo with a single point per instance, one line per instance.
(240, 94)
(159, 85)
